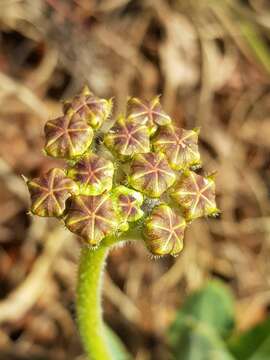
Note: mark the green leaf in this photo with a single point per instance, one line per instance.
(206, 316)
(192, 340)
(212, 305)
(116, 346)
(253, 344)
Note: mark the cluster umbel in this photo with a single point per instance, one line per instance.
(138, 172)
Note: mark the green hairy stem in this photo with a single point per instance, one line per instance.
(92, 329)
(89, 308)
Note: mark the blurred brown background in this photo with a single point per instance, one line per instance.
(211, 62)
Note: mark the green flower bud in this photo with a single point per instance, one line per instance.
(180, 146)
(128, 137)
(125, 181)
(93, 174)
(127, 203)
(92, 217)
(49, 193)
(150, 173)
(89, 107)
(196, 195)
(68, 136)
(164, 231)
(150, 113)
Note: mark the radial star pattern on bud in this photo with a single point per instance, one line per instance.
(49, 193)
(92, 217)
(150, 113)
(93, 174)
(151, 174)
(116, 176)
(128, 137)
(180, 146)
(89, 107)
(196, 195)
(68, 136)
(164, 231)
(128, 204)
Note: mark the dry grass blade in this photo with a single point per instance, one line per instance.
(25, 295)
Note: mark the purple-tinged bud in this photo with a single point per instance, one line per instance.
(89, 107)
(196, 195)
(151, 174)
(180, 146)
(93, 174)
(68, 136)
(49, 193)
(128, 137)
(92, 217)
(164, 231)
(128, 204)
(150, 113)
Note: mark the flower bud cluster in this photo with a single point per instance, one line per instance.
(139, 174)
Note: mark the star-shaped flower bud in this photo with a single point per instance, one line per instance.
(128, 204)
(92, 217)
(93, 174)
(164, 231)
(180, 146)
(49, 193)
(151, 174)
(67, 136)
(89, 107)
(150, 113)
(128, 137)
(196, 195)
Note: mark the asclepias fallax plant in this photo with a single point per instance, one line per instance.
(131, 179)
